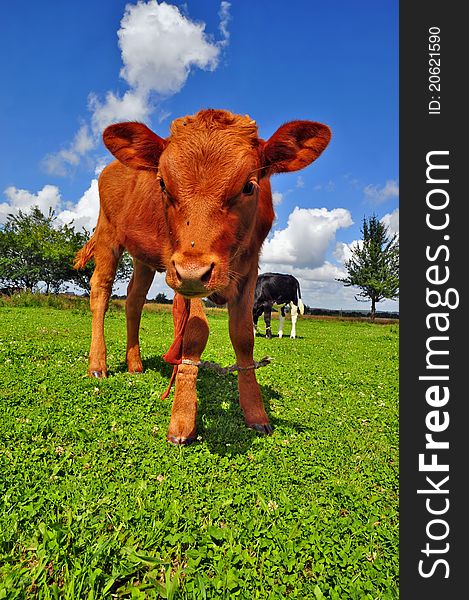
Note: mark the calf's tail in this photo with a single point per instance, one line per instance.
(84, 255)
(301, 306)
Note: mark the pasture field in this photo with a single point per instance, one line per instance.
(96, 504)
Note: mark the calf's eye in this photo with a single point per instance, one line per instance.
(162, 185)
(249, 188)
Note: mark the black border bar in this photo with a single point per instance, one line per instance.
(434, 240)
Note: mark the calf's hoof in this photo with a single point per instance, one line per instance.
(268, 334)
(98, 374)
(134, 367)
(179, 440)
(265, 429)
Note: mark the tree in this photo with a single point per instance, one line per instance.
(35, 249)
(374, 265)
(161, 298)
(82, 277)
(32, 250)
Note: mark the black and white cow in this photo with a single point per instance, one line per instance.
(276, 288)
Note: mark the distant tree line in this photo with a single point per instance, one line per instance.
(37, 253)
(339, 312)
(160, 298)
(384, 314)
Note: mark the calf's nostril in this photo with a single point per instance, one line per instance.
(193, 274)
(178, 275)
(208, 273)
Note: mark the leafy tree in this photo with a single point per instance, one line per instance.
(374, 265)
(161, 298)
(35, 249)
(32, 250)
(82, 277)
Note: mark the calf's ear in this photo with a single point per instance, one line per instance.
(294, 146)
(134, 145)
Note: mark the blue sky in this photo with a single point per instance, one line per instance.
(69, 68)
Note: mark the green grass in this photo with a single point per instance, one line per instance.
(96, 504)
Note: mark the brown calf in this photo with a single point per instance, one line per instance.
(197, 205)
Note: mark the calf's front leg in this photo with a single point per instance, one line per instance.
(242, 338)
(181, 428)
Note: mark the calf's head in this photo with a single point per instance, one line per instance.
(211, 175)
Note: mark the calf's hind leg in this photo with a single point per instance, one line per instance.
(256, 314)
(267, 319)
(181, 428)
(137, 290)
(294, 317)
(281, 319)
(106, 260)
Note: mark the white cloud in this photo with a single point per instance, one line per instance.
(300, 182)
(334, 295)
(59, 163)
(343, 252)
(18, 199)
(379, 194)
(391, 220)
(305, 240)
(132, 106)
(277, 198)
(85, 212)
(159, 47)
(225, 18)
(325, 273)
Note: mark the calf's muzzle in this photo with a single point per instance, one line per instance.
(192, 277)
